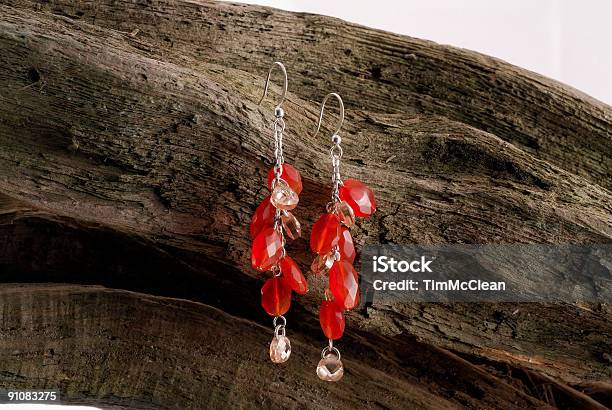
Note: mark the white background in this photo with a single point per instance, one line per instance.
(568, 40)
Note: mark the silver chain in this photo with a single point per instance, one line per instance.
(279, 127)
(279, 160)
(336, 154)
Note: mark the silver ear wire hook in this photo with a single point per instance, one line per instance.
(336, 150)
(323, 108)
(282, 67)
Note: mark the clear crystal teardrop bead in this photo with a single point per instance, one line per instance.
(280, 349)
(330, 368)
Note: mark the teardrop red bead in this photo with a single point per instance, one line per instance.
(292, 275)
(325, 233)
(275, 297)
(331, 317)
(263, 217)
(290, 175)
(267, 249)
(359, 197)
(344, 285)
(346, 246)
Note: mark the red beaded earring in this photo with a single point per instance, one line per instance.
(270, 224)
(331, 240)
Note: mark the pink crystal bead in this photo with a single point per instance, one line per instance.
(291, 225)
(280, 349)
(345, 214)
(283, 197)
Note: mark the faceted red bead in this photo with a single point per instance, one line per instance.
(346, 246)
(325, 233)
(263, 217)
(344, 285)
(359, 197)
(331, 317)
(290, 175)
(267, 249)
(292, 275)
(275, 297)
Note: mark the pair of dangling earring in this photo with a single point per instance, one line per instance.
(330, 240)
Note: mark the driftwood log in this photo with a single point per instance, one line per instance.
(133, 153)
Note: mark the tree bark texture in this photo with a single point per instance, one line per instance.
(134, 153)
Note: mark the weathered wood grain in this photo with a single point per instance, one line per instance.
(116, 348)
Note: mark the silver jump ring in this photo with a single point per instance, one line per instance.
(327, 351)
(279, 317)
(275, 270)
(280, 329)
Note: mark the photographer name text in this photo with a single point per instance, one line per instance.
(384, 264)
